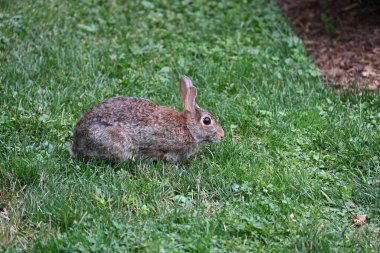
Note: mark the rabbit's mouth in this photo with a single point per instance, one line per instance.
(215, 139)
(212, 139)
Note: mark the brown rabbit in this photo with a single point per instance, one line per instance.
(121, 128)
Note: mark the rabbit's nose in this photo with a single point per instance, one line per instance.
(221, 133)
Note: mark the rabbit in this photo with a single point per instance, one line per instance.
(122, 128)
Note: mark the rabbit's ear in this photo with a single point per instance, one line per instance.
(187, 93)
(190, 99)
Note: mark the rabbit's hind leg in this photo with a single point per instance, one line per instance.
(173, 157)
(112, 144)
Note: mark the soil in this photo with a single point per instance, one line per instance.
(343, 38)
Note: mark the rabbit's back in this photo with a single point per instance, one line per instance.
(119, 110)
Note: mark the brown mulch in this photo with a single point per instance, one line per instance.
(346, 47)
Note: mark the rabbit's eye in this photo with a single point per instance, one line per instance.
(206, 120)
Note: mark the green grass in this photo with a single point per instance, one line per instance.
(294, 155)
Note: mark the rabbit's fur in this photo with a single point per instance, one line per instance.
(121, 128)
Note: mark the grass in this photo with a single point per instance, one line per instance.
(296, 154)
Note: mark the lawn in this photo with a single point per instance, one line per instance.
(297, 162)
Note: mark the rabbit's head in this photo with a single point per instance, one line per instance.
(201, 123)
